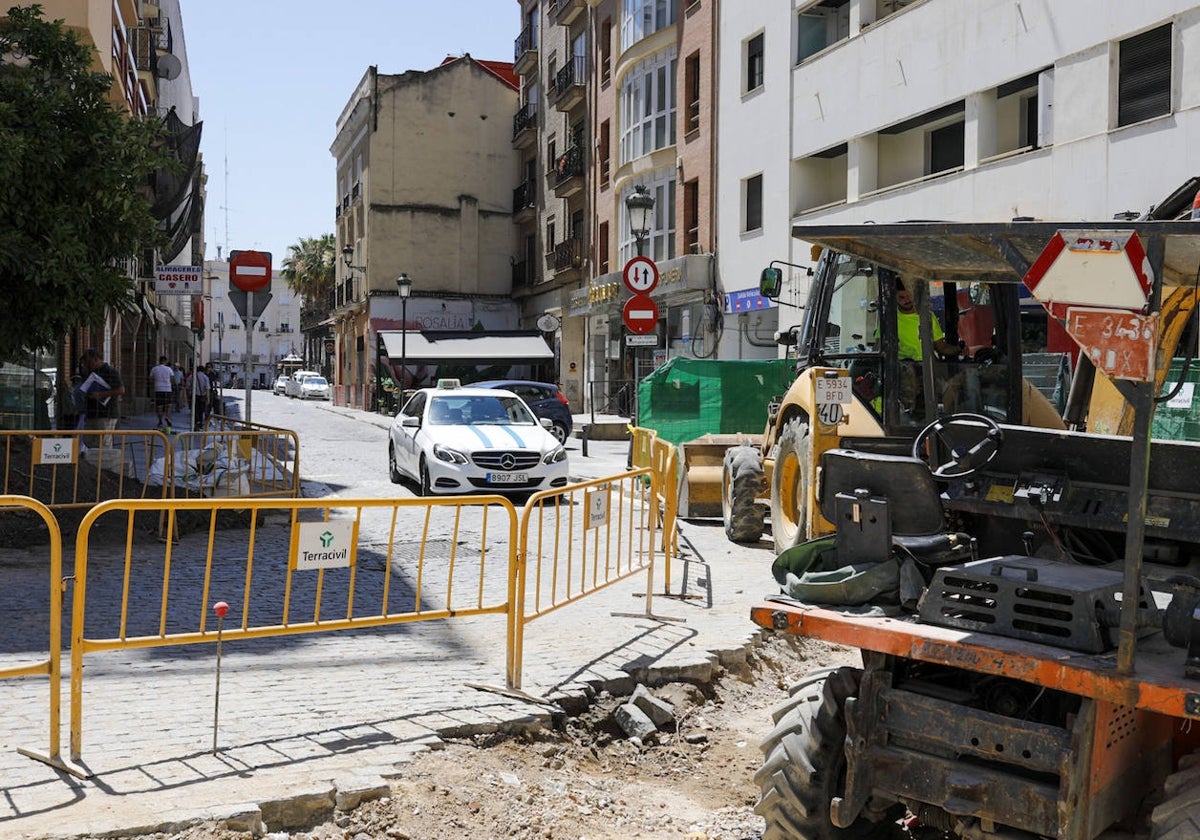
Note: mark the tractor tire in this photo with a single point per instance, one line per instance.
(789, 485)
(1178, 816)
(741, 482)
(805, 767)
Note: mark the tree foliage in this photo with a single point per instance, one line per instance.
(310, 268)
(73, 185)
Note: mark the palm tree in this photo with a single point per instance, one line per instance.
(310, 269)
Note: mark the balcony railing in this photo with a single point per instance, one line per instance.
(572, 73)
(565, 12)
(524, 197)
(525, 118)
(525, 43)
(568, 165)
(567, 254)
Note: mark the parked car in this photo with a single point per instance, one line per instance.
(293, 388)
(544, 398)
(281, 382)
(314, 388)
(454, 439)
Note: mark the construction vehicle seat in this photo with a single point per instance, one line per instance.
(883, 502)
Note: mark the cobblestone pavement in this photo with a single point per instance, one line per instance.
(313, 714)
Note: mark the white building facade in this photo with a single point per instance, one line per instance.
(881, 110)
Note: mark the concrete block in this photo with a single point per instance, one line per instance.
(659, 711)
(352, 791)
(300, 812)
(634, 722)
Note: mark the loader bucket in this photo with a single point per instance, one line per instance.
(703, 459)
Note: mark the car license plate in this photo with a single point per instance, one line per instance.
(507, 478)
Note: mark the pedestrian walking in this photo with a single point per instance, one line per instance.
(200, 387)
(161, 377)
(103, 387)
(177, 386)
(215, 402)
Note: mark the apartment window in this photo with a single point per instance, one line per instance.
(821, 25)
(754, 63)
(602, 248)
(640, 18)
(661, 243)
(605, 152)
(946, 147)
(1144, 76)
(752, 207)
(647, 106)
(691, 87)
(606, 51)
(551, 239)
(691, 217)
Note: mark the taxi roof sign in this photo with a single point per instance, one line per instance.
(1098, 268)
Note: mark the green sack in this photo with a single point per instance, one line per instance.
(812, 572)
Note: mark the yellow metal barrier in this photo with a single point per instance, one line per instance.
(73, 469)
(51, 666)
(640, 442)
(576, 542)
(151, 598)
(246, 462)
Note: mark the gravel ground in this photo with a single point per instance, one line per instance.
(585, 778)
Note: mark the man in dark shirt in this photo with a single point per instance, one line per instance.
(103, 397)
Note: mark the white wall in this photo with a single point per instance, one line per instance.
(752, 137)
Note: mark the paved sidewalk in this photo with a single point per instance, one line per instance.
(315, 716)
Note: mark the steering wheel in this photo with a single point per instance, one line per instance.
(964, 461)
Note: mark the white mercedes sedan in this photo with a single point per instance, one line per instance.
(456, 440)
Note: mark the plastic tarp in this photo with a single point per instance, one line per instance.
(687, 398)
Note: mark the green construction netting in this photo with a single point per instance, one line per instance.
(686, 398)
(1179, 419)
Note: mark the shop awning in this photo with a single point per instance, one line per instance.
(431, 347)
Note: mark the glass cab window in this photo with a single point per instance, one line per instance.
(916, 350)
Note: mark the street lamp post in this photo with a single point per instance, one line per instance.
(219, 329)
(640, 206)
(351, 268)
(404, 287)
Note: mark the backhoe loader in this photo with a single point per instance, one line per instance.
(1013, 555)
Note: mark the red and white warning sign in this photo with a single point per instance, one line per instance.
(1098, 268)
(1120, 344)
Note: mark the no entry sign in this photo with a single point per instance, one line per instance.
(250, 271)
(640, 314)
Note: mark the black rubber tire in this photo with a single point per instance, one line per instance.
(393, 470)
(805, 767)
(559, 430)
(741, 483)
(789, 485)
(423, 486)
(1177, 817)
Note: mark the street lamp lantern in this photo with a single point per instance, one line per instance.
(404, 288)
(640, 206)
